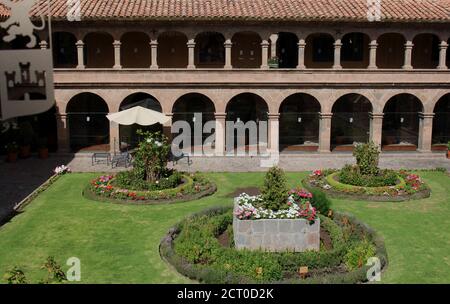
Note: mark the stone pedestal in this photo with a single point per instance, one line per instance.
(276, 235)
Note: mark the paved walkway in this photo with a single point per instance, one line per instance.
(18, 180)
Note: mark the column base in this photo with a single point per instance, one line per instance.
(407, 67)
(301, 67)
(191, 67)
(372, 67)
(337, 67)
(117, 67)
(442, 68)
(80, 67)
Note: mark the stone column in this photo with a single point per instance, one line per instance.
(116, 45)
(43, 45)
(191, 54)
(408, 55)
(274, 131)
(443, 55)
(373, 55)
(376, 128)
(337, 54)
(301, 54)
(264, 54)
(273, 45)
(228, 44)
(325, 132)
(425, 131)
(63, 135)
(154, 53)
(80, 54)
(114, 137)
(220, 133)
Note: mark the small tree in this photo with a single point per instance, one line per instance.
(367, 156)
(274, 191)
(152, 155)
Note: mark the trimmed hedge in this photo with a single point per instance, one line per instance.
(332, 181)
(192, 248)
(193, 187)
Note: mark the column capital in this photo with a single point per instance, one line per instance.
(373, 44)
(154, 43)
(443, 45)
(274, 116)
(409, 44)
(43, 44)
(325, 115)
(219, 115)
(117, 43)
(338, 43)
(265, 44)
(191, 43)
(301, 43)
(79, 43)
(228, 43)
(426, 115)
(376, 115)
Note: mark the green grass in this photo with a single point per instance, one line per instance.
(119, 244)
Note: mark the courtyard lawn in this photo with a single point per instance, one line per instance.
(119, 244)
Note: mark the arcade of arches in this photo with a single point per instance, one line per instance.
(298, 126)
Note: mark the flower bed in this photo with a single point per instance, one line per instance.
(196, 249)
(193, 187)
(408, 186)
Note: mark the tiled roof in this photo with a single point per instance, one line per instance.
(263, 10)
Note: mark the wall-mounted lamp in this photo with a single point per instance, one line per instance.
(97, 51)
(299, 119)
(193, 119)
(351, 120)
(172, 50)
(238, 119)
(88, 119)
(135, 50)
(402, 120)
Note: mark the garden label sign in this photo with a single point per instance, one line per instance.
(26, 70)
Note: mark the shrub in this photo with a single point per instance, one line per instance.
(55, 274)
(152, 155)
(15, 276)
(274, 191)
(358, 254)
(367, 156)
(129, 180)
(351, 175)
(320, 201)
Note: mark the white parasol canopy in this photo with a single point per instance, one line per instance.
(138, 115)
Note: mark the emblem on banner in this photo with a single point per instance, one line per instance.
(26, 74)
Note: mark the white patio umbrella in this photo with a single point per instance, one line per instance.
(138, 115)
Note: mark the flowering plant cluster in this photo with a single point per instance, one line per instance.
(60, 170)
(104, 186)
(413, 182)
(297, 206)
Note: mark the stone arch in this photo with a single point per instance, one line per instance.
(441, 123)
(172, 50)
(391, 50)
(64, 50)
(135, 50)
(246, 50)
(425, 54)
(350, 122)
(87, 122)
(99, 50)
(299, 123)
(209, 50)
(355, 50)
(319, 50)
(401, 123)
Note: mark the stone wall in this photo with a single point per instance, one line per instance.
(276, 234)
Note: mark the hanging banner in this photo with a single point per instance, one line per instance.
(26, 66)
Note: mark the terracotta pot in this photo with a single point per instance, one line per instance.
(11, 157)
(448, 154)
(25, 151)
(43, 153)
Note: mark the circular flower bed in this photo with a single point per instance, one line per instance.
(201, 247)
(191, 187)
(406, 186)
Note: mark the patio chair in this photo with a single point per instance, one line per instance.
(122, 158)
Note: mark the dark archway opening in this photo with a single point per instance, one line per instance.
(299, 123)
(172, 50)
(87, 122)
(64, 50)
(189, 108)
(319, 51)
(441, 124)
(135, 50)
(287, 45)
(350, 123)
(99, 50)
(401, 123)
(390, 51)
(247, 108)
(209, 50)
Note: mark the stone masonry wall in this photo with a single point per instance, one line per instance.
(276, 235)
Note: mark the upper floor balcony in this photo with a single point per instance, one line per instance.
(347, 57)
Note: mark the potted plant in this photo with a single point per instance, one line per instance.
(43, 148)
(448, 150)
(273, 62)
(12, 150)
